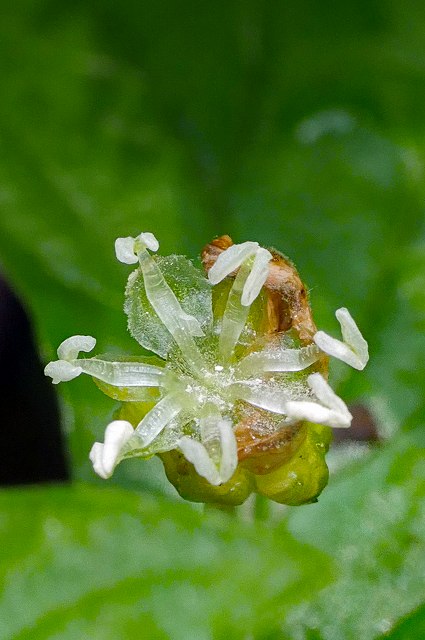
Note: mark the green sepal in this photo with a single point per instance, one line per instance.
(194, 488)
(304, 476)
(129, 394)
(133, 412)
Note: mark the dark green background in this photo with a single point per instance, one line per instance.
(299, 125)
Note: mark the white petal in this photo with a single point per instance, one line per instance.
(196, 453)
(149, 240)
(354, 349)
(257, 277)
(71, 347)
(62, 371)
(106, 456)
(124, 250)
(231, 259)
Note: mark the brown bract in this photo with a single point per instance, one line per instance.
(287, 309)
(288, 306)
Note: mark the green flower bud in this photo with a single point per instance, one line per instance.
(191, 486)
(236, 398)
(303, 477)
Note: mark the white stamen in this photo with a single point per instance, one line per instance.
(125, 251)
(332, 411)
(62, 371)
(257, 276)
(196, 453)
(149, 240)
(261, 395)
(353, 350)
(277, 359)
(229, 450)
(71, 347)
(105, 456)
(235, 314)
(215, 432)
(231, 259)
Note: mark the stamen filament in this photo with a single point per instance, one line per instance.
(215, 457)
(259, 395)
(122, 374)
(158, 418)
(279, 360)
(235, 314)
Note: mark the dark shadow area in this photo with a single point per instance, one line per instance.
(31, 441)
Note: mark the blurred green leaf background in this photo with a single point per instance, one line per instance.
(297, 124)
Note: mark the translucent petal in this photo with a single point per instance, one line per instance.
(164, 301)
(257, 277)
(354, 349)
(231, 259)
(62, 371)
(71, 347)
(277, 359)
(158, 418)
(106, 456)
(193, 293)
(124, 250)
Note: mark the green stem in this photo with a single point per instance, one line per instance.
(224, 508)
(261, 508)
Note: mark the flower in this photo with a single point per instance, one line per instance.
(236, 397)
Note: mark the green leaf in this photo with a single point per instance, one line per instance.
(294, 125)
(411, 627)
(372, 523)
(84, 562)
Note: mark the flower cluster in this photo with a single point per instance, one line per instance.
(236, 399)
